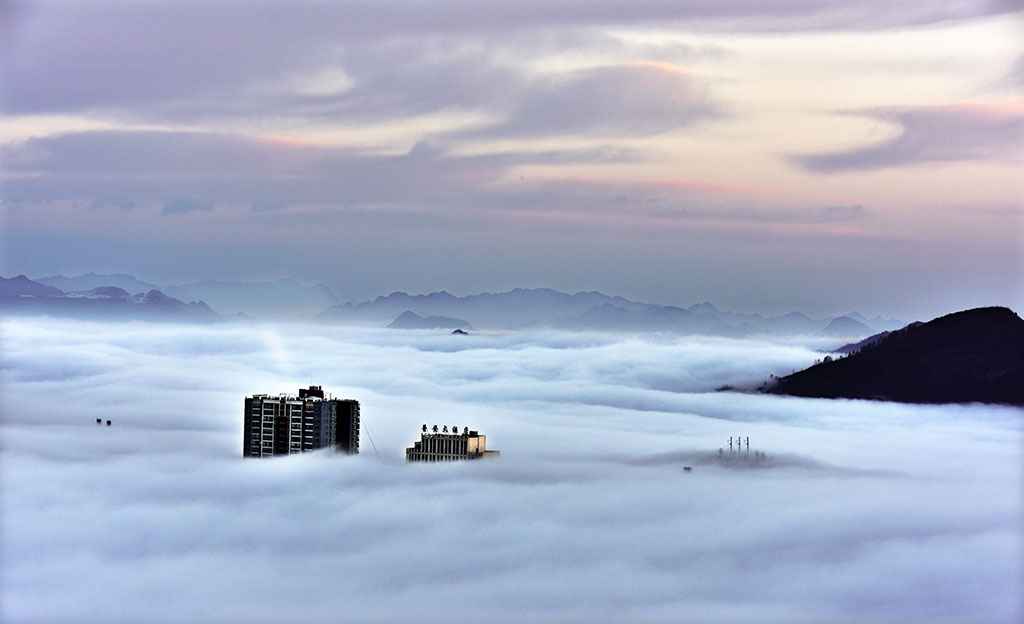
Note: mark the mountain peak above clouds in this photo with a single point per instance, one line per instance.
(968, 356)
(846, 327)
(442, 295)
(411, 320)
(585, 310)
(90, 281)
(705, 307)
(102, 292)
(285, 298)
(20, 295)
(21, 286)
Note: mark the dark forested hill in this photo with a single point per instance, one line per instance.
(974, 355)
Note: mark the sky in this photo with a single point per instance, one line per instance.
(861, 511)
(818, 155)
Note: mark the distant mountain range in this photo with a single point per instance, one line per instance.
(411, 320)
(90, 281)
(283, 298)
(974, 355)
(542, 307)
(20, 295)
(515, 309)
(508, 310)
(845, 326)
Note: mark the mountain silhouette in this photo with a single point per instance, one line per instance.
(522, 308)
(21, 287)
(90, 281)
(20, 295)
(411, 320)
(971, 356)
(870, 340)
(845, 326)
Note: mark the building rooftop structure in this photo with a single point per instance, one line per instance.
(286, 424)
(445, 445)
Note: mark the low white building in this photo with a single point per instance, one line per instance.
(446, 445)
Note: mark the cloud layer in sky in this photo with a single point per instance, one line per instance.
(663, 152)
(863, 511)
(939, 134)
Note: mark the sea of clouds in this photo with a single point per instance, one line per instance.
(861, 511)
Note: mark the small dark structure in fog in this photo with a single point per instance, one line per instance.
(741, 452)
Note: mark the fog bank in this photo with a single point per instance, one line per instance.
(860, 510)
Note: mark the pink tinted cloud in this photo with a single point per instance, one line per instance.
(663, 185)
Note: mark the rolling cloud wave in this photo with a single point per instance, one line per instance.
(861, 510)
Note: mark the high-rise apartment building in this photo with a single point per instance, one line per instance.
(282, 424)
(435, 445)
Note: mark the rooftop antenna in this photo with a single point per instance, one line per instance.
(365, 426)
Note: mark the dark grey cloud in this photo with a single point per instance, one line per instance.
(119, 202)
(427, 185)
(229, 169)
(932, 134)
(122, 154)
(182, 204)
(152, 166)
(586, 516)
(700, 205)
